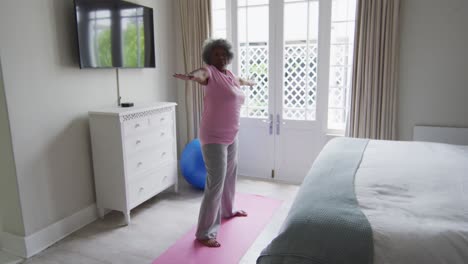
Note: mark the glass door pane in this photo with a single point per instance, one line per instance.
(300, 60)
(253, 50)
(218, 11)
(341, 61)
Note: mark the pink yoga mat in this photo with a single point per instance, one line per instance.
(236, 235)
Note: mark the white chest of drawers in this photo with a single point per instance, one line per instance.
(134, 155)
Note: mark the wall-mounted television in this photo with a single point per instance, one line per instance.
(114, 34)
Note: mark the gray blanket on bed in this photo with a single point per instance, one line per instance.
(325, 224)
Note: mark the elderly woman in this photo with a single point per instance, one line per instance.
(218, 135)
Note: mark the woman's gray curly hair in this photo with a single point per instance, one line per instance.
(210, 44)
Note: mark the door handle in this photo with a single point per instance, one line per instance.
(270, 123)
(278, 120)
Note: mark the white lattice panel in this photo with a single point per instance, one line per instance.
(338, 53)
(300, 81)
(339, 85)
(337, 97)
(254, 66)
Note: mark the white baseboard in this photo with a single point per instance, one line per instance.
(27, 247)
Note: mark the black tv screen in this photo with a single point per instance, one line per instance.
(114, 34)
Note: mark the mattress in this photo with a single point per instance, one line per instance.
(415, 197)
(412, 196)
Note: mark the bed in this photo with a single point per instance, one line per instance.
(381, 202)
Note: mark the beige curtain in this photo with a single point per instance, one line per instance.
(195, 18)
(375, 70)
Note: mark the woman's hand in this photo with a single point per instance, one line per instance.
(250, 83)
(185, 77)
(247, 82)
(199, 75)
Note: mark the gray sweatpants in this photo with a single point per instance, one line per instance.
(220, 187)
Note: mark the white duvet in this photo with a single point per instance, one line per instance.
(415, 196)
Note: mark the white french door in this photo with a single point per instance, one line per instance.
(284, 45)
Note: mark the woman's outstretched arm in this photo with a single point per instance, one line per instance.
(199, 75)
(247, 82)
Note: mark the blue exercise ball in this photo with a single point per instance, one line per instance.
(192, 164)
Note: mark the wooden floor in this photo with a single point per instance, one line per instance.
(155, 226)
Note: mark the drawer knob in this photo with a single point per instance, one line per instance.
(163, 154)
(162, 134)
(141, 189)
(138, 141)
(139, 164)
(165, 179)
(137, 125)
(162, 119)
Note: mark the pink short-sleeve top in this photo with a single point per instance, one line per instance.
(221, 107)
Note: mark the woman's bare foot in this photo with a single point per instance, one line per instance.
(241, 213)
(210, 242)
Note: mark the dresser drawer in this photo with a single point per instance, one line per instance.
(163, 153)
(135, 126)
(153, 182)
(138, 164)
(162, 119)
(147, 160)
(164, 133)
(148, 140)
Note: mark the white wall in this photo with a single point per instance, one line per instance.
(11, 220)
(433, 84)
(48, 98)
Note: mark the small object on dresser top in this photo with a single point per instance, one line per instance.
(126, 104)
